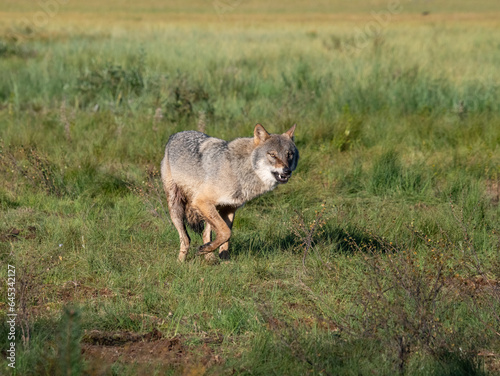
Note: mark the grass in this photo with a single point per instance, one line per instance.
(379, 256)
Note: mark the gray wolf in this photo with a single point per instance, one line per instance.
(207, 179)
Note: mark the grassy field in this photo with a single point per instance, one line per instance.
(380, 256)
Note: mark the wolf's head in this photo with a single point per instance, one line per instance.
(275, 155)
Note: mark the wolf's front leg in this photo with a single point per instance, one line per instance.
(215, 221)
(207, 238)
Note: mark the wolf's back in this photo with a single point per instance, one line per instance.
(194, 155)
(185, 147)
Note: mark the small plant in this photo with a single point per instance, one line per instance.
(406, 297)
(12, 49)
(186, 100)
(305, 231)
(68, 341)
(29, 286)
(36, 169)
(477, 274)
(25, 291)
(111, 79)
(342, 43)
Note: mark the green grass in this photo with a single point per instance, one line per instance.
(399, 140)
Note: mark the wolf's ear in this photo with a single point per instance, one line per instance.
(260, 135)
(289, 132)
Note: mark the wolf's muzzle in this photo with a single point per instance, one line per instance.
(282, 177)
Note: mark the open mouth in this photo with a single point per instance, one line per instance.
(281, 178)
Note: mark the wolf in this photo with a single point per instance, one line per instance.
(207, 179)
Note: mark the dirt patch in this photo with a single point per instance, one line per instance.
(164, 351)
(14, 234)
(474, 285)
(97, 337)
(103, 349)
(74, 290)
(146, 352)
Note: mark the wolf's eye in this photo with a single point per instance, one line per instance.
(272, 154)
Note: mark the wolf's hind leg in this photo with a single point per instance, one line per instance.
(176, 208)
(178, 222)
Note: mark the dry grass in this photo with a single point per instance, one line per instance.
(158, 14)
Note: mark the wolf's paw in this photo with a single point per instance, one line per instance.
(211, 258)
(182, 256)
(204, 249)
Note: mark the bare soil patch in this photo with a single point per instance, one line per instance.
(14, 234)
(146, 351)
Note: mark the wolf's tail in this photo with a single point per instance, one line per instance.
(194, 219)
(179, 205)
